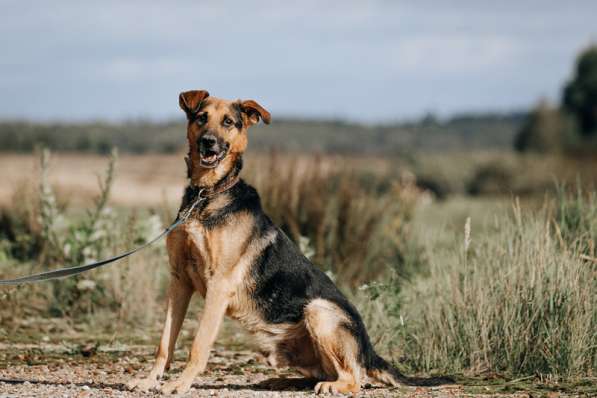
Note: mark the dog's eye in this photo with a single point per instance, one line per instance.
(202, 118)
(228, 122)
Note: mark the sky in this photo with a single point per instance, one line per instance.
(367, 61)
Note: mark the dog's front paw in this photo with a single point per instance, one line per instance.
(143, 384)
(179, 386)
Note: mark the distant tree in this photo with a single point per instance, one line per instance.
(580, 94)
(545, 130)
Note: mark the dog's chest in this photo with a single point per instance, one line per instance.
(216, 253)
(199, 265)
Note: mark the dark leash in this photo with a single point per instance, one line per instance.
(183, 216)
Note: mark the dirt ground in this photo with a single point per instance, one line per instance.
(72, 370)
(62, 371)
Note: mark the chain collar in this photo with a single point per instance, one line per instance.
(184, 214)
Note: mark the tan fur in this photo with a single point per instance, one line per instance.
(337, 348)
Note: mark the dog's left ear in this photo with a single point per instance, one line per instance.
(254, 111)
(190, 101)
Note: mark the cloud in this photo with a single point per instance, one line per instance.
(455, 53)
(84, 59)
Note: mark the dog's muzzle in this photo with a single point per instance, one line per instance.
(212, 150)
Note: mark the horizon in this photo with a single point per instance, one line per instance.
(285, 119)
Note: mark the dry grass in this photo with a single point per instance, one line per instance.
(353, 223)
(141, 180)
(152, 180)
(517, 299)
(37, 231)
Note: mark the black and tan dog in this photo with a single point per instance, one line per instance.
(247, 268)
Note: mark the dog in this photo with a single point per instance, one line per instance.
(233, 255)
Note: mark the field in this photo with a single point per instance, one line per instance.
(477, 266)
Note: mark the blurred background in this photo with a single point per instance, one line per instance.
(409, 142)
(398, 80)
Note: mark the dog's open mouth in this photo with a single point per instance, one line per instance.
(210, 159)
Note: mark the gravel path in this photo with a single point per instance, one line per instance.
(63, 370)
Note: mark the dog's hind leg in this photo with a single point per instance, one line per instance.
(337, 348)
(179, 294)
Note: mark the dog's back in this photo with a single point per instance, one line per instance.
(283, 286)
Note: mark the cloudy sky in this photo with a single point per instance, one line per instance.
(367, 60)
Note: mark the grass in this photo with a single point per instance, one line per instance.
(352, 222)
(38, 234)
(513, 293)
(516, 300)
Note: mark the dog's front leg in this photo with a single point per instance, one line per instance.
(179, 295)
(216, 301)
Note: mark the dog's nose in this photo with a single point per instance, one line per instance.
(208, 141)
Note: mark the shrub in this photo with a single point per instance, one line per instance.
(20, 233)
(494, 178)
(547, 130)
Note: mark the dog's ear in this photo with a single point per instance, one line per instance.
(190, 101)
(254, 111)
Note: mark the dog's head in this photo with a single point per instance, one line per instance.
(217, 131)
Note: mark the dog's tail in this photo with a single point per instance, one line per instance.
(384, 372)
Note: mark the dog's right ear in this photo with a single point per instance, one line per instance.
(190, 101)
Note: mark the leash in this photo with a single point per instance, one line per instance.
(183, 215)
(70, 271)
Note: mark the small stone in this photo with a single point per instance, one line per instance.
(88, 350)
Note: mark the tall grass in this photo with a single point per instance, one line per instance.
(355, 222)
(576, 220)
(514, 300)
(37, 232)
(349, 222)
(519, 298)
